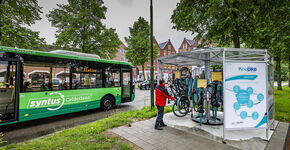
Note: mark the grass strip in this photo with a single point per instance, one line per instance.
(89, 136)
(282, 104)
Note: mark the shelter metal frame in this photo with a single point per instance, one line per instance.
(219, 56)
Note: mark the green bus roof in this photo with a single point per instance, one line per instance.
(48, 54)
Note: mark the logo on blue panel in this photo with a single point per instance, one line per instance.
(248, 69)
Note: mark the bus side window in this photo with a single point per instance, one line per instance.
(112, 77)
(45, 77)
(99, 80)
(35, 78)
(76, 82)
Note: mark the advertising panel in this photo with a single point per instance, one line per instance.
(245, 95)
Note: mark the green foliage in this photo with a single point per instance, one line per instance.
(256, 23)
(89, 136)
(282, 105)
(225, 22)
(14, 16)
(273, 33)
(138, 50)
(1, 138)
(80, 28)
(284, 73)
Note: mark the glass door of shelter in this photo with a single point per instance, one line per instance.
(126, 86)
(8, 91)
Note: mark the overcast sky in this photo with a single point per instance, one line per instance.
(121, 14)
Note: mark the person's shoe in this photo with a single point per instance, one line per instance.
(163, 124)
(158, 128)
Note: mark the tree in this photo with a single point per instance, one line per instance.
(138, 50)
(227, 22)
(257, 24)
(273, 33)
(288, 60)
(80, 28)
(14, 16)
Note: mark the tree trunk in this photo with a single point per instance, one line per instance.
(236, 38)
(278, 68)
(1, 7)
(143, 73)
(288, 70)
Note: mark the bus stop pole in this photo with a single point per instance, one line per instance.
(151, 55)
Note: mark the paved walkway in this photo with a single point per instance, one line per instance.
(178, 135)
(279, 139)
(142, 134)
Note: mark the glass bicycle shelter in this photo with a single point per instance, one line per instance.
(248, 83)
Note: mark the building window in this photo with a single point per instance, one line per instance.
(122, 51)
(169, 47)
(165, 53)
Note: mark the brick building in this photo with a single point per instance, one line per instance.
(165, 49)
(120, 56)
(188, 45)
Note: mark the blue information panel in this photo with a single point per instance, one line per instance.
(245, 95)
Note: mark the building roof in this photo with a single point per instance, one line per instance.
(190, 42)
(64, 56)
(162, 45)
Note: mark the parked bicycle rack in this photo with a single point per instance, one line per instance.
(191, 97)
(243, 88)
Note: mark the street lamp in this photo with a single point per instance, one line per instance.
(151, 55)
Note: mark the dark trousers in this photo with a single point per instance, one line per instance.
(160, 113)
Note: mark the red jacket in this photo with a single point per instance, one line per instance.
(161, 94)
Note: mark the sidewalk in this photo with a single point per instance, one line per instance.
(182, 133)
(142, 134)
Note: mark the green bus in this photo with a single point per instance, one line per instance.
(37, 84)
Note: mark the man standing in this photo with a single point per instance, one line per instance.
(161, 94)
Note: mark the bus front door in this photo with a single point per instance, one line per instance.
(126, 85)
(8, 90)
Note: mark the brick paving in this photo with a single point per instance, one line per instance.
(144, 135)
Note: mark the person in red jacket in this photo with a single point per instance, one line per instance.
(161, 94)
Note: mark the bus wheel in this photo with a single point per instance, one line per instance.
(107, 103)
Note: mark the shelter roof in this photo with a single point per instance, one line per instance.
(197, 57)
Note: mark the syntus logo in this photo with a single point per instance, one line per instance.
(248, 69)
(55, 99)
